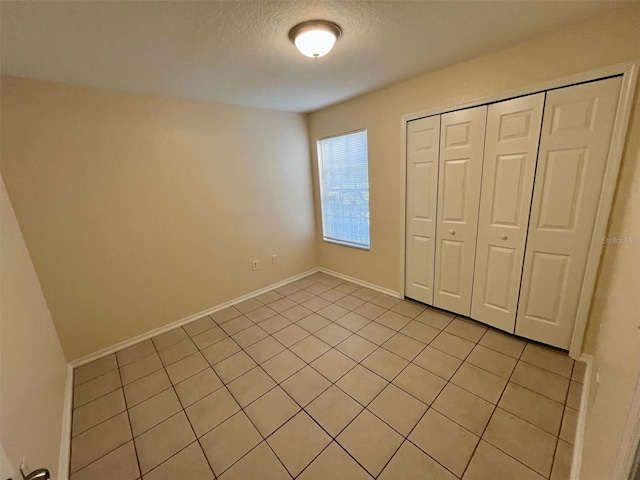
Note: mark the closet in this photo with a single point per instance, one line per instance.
(501, 204)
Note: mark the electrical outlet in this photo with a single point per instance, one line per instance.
(274, 258)
(255, 265)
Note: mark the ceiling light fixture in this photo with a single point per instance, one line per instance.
(315, 38)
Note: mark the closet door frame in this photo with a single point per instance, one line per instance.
(629, 73)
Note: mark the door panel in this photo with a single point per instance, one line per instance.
(562, 188)
(548, 277)
(500, 263)
(422, 202)
(423, 146)
(513, 131)
(574, 145)
(506, 201)
(457, 134)
(422, 265)
(455, 190)
(452, 255)
(461, 152)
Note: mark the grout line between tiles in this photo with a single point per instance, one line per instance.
(173, 386)
(405, 437)
(495, 407)
(110, 451)
(106, 419)
(564, 411)
(75, 385)
(302, 408)
(489, 421)
(135, 449)
(305, 363)
(436, 398)
(127, 407)
(546, 370)
(242, 410)
(335, 438)
(360, 363)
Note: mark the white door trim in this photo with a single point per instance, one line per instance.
(629, 72)
(64, 461)
(612, 169)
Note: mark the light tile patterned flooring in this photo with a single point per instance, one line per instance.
(324, 379)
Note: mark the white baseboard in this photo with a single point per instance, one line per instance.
(65, 440)
(576, 463)
(66, 421)
(386, 291)
(178, 323)
(68, 402)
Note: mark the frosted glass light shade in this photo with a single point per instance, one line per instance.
(315, 38)
(315, 43)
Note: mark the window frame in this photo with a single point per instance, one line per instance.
(328, 239)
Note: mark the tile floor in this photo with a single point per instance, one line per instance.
(325, 379)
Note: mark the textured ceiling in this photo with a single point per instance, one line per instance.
(238, 51)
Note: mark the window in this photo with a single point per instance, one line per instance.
(344, 189)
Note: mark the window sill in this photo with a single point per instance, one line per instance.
(347, 244)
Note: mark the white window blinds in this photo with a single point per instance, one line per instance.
(344, 189)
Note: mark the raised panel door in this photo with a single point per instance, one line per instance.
(460, 172)
(423, 146)
(511, 148)
(576, 133)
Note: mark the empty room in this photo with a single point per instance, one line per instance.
(347, 240)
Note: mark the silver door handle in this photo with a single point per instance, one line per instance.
(39, 474)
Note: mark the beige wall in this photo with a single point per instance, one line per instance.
(607, 40)
(141, 210)
(33, 369)
(7, 468)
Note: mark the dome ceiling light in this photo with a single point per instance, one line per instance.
(315, 38)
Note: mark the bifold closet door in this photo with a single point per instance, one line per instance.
(576, 133)
(423, 145)
(459, 177)
(510, 153)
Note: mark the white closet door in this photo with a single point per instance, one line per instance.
(423, 145)
(460, 174)
(510, 152)
(576, 133)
